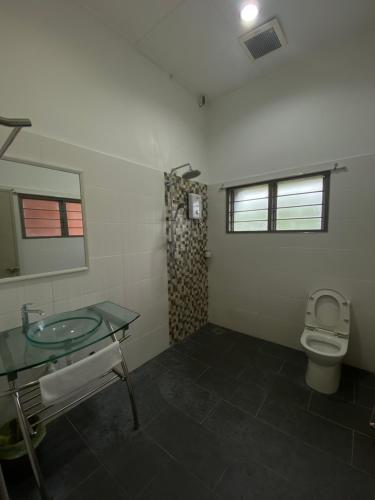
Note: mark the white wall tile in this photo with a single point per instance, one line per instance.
(127, 247)
(259, 283)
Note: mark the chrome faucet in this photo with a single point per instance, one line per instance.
(25, 311)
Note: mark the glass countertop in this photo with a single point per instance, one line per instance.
(18, 353)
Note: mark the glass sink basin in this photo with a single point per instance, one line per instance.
(64, 327)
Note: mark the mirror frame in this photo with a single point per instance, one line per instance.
(81, 184)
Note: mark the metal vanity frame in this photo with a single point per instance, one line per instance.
(31, 413)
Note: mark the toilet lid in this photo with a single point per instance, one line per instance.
(328, 310)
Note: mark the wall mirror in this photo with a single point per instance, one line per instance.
(42, 224)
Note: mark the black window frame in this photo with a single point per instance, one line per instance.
(62, 211)
(272, 204)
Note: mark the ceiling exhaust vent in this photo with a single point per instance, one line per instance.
(264, 39)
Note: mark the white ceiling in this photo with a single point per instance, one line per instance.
(197, 40)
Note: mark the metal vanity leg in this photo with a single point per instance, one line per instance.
(130, 387)
(3, 488)
(29, 447)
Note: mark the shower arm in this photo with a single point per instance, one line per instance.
(16, 124)
(180, 166)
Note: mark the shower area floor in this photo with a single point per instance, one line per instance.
(223, 416)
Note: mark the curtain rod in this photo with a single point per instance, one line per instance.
(243, 182)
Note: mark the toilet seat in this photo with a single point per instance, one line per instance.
(329, 312)
(325, 344)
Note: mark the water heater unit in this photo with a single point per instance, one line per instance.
(195, 206)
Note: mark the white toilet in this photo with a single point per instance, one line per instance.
(325, 338)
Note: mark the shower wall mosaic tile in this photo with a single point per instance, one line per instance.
(187, 264)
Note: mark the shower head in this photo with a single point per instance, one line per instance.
(191, 174)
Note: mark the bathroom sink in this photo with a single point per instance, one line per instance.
(60, 328)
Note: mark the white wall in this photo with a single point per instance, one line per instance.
(98, 106)
(300, 115)
(80, 83)
(126, 240)
(32, 179)
(303, 113)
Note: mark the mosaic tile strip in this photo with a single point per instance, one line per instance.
(187, 264)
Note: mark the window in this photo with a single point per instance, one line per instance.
(292, 204)
(45, 217)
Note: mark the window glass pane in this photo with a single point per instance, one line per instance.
(299, 225)
(299, 199)
(251, 226)
(251, 193)
(76, 231)
(300, 204)
(43, 233)
(250, 216)
(251, 204)
(34, 223)
(73, 206)
(74, 215)
(250, 208)
(75, 223)
(74, 218)
(304, 185)
(41, 218)
(40, 204)
(41, 214)
(299, 212)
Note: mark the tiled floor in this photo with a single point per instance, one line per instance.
(224, 416)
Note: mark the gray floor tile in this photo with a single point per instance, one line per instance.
(225, 419)
(366, 378)
(328, 477)
(107, 417)
(285, 452)
(259, 442)
(265, 362)
(218, 382)
(232, 362)
(215, 336)
(308, 468)
(181, 364)
(248, 397)
(100, 485)
(175, 483)
(309, 428)
(64, 459)
(286, 353)
(253, 374)
(134, 462)
(365, 396)
(281, 387)
(344, 413)
(296, 373)
(364, 452)
(196, 448)
(346, 390)
(227, 356)
(146, 374)
(251, 481)
(185, 395)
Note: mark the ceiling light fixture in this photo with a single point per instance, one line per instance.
(249, 12)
